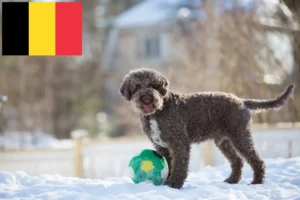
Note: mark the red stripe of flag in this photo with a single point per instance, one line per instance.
(68, 28)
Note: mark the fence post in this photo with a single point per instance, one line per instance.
(207, 153)
(78, 136)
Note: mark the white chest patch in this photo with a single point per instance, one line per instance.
(155, 134)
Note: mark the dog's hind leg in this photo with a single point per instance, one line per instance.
(243, 143)
(235, 160)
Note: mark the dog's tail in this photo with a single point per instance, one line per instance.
(257, 104)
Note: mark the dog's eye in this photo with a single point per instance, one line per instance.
(155, 86)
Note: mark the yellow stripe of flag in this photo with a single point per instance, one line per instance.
(41, 28)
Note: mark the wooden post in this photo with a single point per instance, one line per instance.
(78, 137)
(208, 153)
(78, 157)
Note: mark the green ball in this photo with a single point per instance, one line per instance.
(149, 166)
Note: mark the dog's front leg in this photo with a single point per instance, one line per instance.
(180, 163)
(166, 153)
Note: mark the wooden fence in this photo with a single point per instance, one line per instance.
(95, 160)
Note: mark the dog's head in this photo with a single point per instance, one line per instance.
(146, 89)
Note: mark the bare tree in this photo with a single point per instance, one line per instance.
(229, 51)
(294, 6)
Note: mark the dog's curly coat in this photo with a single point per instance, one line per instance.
(173, 121)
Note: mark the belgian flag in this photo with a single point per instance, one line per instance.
(42, 28)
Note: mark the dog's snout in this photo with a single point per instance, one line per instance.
(147, 99)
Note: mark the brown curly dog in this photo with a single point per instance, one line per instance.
(173, 121)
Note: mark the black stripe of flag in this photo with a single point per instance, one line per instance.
(15, 28)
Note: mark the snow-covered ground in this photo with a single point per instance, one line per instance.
(283, 182)
(32, 140)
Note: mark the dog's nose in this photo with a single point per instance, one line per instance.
(147, 99)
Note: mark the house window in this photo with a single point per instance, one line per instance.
(151, 48)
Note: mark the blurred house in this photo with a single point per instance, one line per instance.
(146, 35)
(142, 35)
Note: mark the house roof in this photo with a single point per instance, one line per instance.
(267, 14)
(268, 8)
(151, 12)
(147, 12)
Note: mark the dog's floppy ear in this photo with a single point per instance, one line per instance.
(125, 89)
(164, 86)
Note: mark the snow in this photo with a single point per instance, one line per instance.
(282, 182)
(28, 140)
(79, 133)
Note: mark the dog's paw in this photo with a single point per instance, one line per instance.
(258, 181)
(232, 180)
(173, 184)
